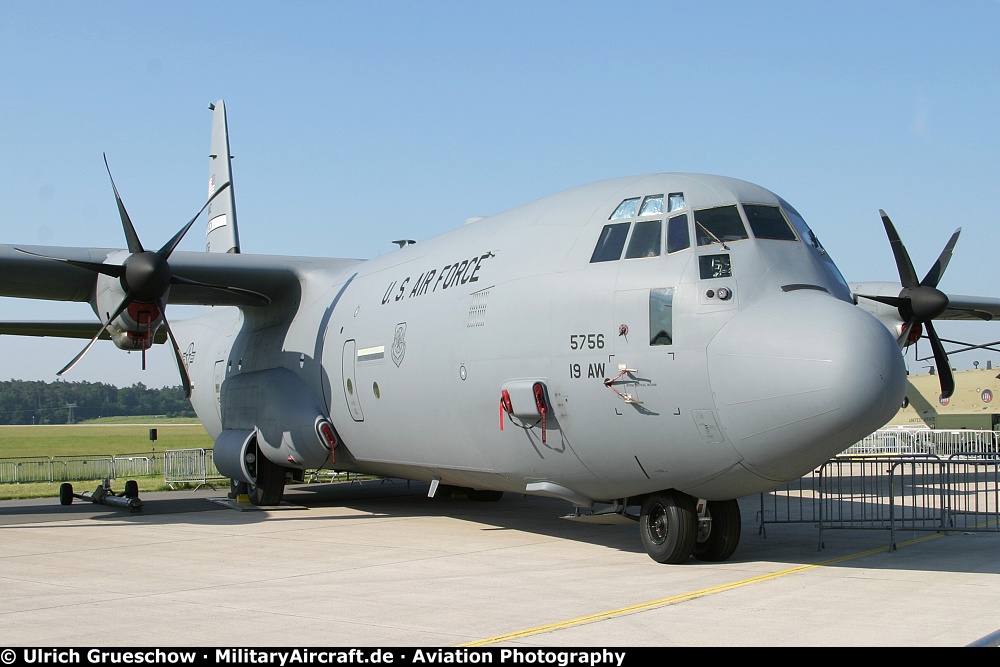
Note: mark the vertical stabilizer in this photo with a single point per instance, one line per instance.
(221, 234)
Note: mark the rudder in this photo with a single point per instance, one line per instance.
(221, 234)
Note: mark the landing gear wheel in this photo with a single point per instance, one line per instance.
(269, 486)
(65, 493)
(718, 537)
(668, 526)
(131, 489)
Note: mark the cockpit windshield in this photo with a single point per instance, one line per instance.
(767, 222)
(719, 225)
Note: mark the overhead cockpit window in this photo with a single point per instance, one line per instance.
(626, 209)
(652, 205)
(678, 236)
(611, 243)
(645, 241)
(675, 202)
(719, 225)
(661, 318)
(767, 222)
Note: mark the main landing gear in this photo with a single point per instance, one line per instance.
(268, 485)
(673, 527)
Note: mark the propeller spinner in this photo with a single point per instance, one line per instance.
(919, 302)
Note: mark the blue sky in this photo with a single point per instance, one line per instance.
(355, 123)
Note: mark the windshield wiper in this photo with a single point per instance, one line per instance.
(711, 235)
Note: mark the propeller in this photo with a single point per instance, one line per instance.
(146, 277)
(919, 302)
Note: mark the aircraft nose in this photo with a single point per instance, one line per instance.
(800, 377)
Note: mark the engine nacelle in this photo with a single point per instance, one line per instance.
(289, 423)
(135, 328)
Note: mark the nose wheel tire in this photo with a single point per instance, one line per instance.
(668, 525)
(719, 531)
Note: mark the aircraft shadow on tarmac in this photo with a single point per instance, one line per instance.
(790, 543)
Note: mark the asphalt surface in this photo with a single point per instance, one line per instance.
(380, 564)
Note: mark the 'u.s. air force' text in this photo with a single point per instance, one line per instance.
(459, 273)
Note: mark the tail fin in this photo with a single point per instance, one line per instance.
(221, 234)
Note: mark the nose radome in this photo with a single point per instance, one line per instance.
(800, 377)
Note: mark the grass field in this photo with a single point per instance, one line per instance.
(101, 438)
(104, 437)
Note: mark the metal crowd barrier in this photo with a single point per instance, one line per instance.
(188, 466)
(960, 493)
(943, 443)
(69, 468)
(23, 470)
(894, 493)
(144, 464)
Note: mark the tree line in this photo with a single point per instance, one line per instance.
(37, 402)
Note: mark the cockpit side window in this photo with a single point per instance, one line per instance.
(801, 227)
(678, 236)
(645, 241)
(611, 243)
(719, 225)
(626, 209)
(767, 222)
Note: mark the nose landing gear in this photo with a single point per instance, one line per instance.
(668, 526)
(673, 527)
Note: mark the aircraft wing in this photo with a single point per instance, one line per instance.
(971, 308)
(64, 329)
(35, 276)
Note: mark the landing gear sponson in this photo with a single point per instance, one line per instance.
(673, 527)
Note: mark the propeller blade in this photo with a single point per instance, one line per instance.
(134, 245)
(907, 276)
(945, 376)
(185, 379)
(169, 246)
(113, 270)
(934, 275)
(118, 311)
(896, 301)
(261, 299)
(905, 334)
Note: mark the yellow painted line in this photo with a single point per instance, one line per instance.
(677, 599)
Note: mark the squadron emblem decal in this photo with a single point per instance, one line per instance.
(398, 344)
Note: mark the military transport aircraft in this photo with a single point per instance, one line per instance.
(653, 346)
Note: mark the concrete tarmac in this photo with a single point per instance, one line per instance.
(380, 564)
